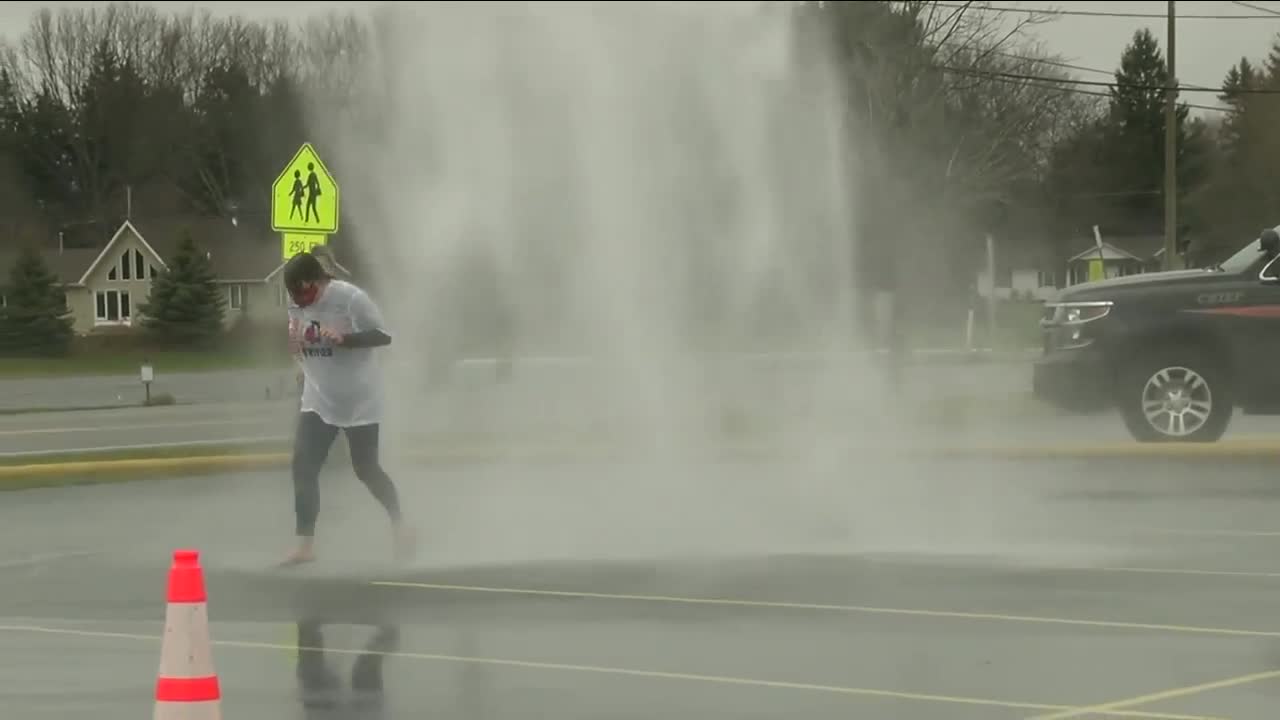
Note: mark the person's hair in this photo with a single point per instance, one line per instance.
(302, 268)
(325, 256)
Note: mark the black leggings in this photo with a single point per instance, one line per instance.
(311, 449)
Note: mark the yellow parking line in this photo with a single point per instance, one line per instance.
(1118, 705)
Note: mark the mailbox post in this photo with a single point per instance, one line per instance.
(148, 375)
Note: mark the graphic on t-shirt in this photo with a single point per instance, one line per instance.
(311, 336)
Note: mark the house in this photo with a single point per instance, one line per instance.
(1028, 271)
(104, 286)
(1024, 271)
(1120, 256)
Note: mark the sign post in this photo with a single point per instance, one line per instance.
(304, 203)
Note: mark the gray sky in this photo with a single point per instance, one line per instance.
(1206, 48)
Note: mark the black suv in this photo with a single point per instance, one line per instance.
(1175, 352)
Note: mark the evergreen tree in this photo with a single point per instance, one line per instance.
(35, 319)
(1110, 172)
(1135, 138)
(1245, 191)
(186, 306)
(1240, 79)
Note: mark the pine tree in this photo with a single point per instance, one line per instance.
(1134, 140)
(1245, 190)
(35, 320)
(186, 306)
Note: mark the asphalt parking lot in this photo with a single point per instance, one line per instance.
(960, 590)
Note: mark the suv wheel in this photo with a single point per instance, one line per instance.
(1175, 397)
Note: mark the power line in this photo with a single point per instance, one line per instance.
(1069, 66)
(1259, 8)
(1114, 85)
(1102, 13)
(1055, 84)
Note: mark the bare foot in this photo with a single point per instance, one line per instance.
(304, 554)
(406, 543)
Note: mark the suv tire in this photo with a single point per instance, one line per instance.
(1175, 395)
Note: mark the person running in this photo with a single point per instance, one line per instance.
(334, 326)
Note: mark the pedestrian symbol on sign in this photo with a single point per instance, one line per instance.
(304, 199)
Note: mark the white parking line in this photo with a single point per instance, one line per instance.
(1217, 533)
(849, 609)
(628, 672)
(40, 558)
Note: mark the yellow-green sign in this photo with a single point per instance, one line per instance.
(304, 199)
(295, 243)
(1096, 271)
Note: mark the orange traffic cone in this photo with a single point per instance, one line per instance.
(187, 687)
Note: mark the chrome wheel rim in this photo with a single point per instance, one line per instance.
(1177, 401)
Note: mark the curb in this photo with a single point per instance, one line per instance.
(145, 465)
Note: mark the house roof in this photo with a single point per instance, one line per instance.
(246, 252)
(126, 229)
(1132, 247)
(68, 265)
(1109, 252)
(325, 255)
(243, 252)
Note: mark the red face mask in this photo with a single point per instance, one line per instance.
(304, 296)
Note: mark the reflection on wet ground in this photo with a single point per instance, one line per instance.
(1157, 601)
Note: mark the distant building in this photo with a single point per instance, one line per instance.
(1028, 271)
(104, 286)
(1024, 271)
(1119, 257)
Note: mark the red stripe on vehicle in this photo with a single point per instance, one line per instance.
(1249, 311)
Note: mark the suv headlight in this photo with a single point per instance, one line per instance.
(1068, 321)
(1077, 313)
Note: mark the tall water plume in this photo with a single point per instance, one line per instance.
(661, 191)
(638, 183)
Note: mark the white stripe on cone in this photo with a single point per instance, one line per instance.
(187, 652)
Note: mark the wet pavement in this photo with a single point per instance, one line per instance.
(954, 368)
(669, 590)
(488, 416)
(540, 398)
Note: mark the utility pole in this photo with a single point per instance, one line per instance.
(1171, 150)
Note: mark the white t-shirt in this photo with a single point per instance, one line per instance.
(342, 385)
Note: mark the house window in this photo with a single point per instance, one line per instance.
(4, 301)
(112, 307)
(1045, 279)
(131, 266)
(237, 296)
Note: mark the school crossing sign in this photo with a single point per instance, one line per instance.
(304, 199)
(304, 202)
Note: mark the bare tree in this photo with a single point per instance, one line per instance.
(952, 111)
